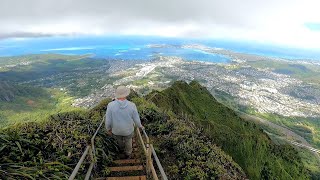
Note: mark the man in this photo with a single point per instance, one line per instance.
(121, 116)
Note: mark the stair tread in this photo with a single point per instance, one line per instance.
(126, 168)
(127, 161)
(128, 178)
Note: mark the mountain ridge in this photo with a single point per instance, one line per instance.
(250, 147)
(205, 138)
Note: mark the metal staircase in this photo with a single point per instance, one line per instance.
(140, 167)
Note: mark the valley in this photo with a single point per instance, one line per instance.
(141, 90)
(257, 86)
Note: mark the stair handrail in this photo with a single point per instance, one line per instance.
(149, 152)
(147, 148)
(91, 150)
(76, 169)
(163, 174)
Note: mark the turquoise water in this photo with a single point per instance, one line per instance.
(133, 48)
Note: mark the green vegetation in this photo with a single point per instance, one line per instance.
(78, 74)
(9, 91)
(192, 133)
(305, 72)
(17, 60)
(29, 104)
(183, 148)
(310, 162)
(308, 128)
(23, 97)
(244, 141)
(50, 149)
(309, 159)
(229, 101)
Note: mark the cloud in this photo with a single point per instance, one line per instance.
(69, 49)
(279, 22)
(28, 34)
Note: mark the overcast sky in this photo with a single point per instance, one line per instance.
(282, 22)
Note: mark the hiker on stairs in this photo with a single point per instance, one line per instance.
(121, 116)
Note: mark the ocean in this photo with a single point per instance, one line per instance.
(136, 48)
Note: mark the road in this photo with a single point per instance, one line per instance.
(288, 135)
(304, 146)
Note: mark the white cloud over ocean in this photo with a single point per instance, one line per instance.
(278, 22)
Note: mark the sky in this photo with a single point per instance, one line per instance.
(291, 23)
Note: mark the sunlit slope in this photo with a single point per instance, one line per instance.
(20, 103)
(244, 141)
(9, 91)
(54, 146)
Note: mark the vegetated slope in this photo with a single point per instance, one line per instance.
(22, 103)
(184, 150)
(187, 149)
(52, 148)
(306, 72)
(77, 74)
(8, 91)
(14, 61)
(247, 144)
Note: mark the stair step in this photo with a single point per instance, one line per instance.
(127, 161)
(128, 178)
(126, 168)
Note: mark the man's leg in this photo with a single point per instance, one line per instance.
(120, 141)
(128, 145)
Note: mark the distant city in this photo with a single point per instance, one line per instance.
(260, 88)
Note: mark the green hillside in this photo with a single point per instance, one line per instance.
(306, 72)
(51, 148)
(185, 152)
(244, 141)
(194, 136)
(56, 71)
(9, 91)
(20, 103)
(14, 61)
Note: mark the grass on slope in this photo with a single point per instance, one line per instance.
(311, 163)
(308, 128)
(244, 141)
(183, 149)
(52, 148)
(34, 107)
